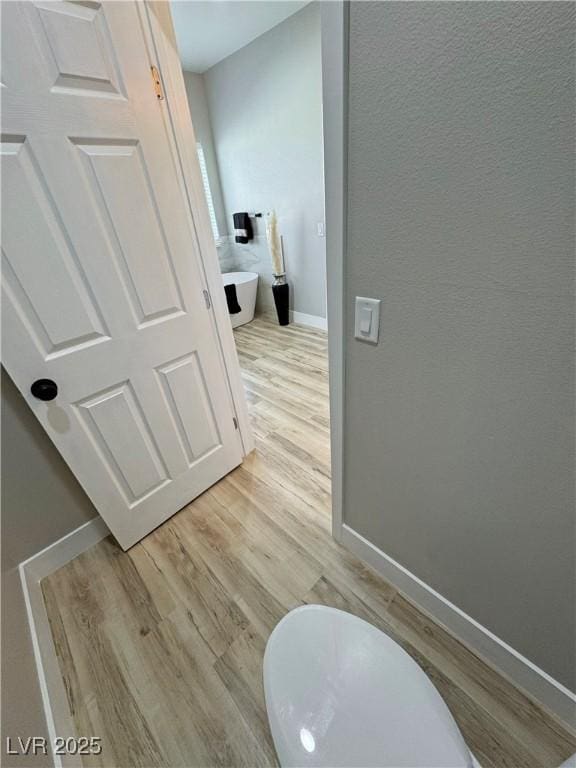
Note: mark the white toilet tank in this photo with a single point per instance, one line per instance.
(246, 288)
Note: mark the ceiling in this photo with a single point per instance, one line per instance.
(209, 30)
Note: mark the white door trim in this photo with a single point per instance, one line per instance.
(168, 62)
(334, 30)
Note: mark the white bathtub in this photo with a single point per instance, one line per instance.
(246, 287)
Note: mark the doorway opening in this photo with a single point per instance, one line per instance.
(253, 78)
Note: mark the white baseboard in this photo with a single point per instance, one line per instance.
(32, 571)
(519, 670)
(313, 321)
(522, 672)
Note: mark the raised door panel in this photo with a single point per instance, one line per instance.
(77, 45)
(122, 190)
(121, 435)
(187, 397)
(41, 269)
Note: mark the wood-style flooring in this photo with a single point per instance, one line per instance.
(161, 647)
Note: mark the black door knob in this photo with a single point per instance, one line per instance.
(44, 389)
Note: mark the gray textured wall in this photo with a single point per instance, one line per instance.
(459, 441)
(41, 502)
(265, 105)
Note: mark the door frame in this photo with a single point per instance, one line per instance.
(166, 59)
(334, 16)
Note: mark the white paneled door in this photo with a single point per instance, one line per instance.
(103, 287)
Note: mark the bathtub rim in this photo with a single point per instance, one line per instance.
(238, 278)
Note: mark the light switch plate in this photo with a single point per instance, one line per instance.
(367, 319)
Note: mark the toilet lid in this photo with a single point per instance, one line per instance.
(340, 692)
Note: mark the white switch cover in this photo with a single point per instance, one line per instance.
(367, 319)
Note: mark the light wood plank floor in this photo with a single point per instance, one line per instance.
(161, 648)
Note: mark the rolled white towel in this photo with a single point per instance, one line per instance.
(274, 244)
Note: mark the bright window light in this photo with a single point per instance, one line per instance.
(207, 191)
